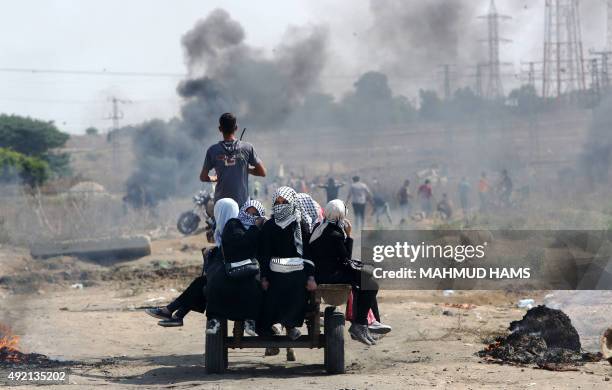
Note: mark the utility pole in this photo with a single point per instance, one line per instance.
(609, 25)
(595, 81)
(563, 68)
(447, 79)
(604, 79)
(530, 73)
(115, 116)
(495, 87)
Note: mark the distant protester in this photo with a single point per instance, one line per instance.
(332, 188)
(359, 194)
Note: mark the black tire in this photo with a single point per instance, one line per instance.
(215, 356)
(334, 341)
(188, 222)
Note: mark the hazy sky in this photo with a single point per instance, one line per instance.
(144, 36)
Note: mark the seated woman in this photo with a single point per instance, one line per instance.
(194, 297)
(310, 207)
(331, 249)
(286, 272)
(236, 299)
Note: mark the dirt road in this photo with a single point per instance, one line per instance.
(113, 343)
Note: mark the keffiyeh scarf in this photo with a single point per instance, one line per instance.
(285, 214)
(310, 208)
(247, 219)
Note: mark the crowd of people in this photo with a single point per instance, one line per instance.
(407, 205)
(263, 270)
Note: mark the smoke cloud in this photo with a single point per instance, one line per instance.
(225, 75)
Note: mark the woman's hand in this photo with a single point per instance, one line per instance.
(265, 284)
(348, 228)
(311, 285)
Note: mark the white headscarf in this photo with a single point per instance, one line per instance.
(225, 209)
(335, 212)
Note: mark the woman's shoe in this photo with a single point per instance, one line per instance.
(379, 328)
(171, 322)
(249, 328)
(293, 333)
(159, 312)
(360, 333)
(213, 326)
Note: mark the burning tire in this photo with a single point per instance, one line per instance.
(188, 222)
(334, 341)
(215, 355)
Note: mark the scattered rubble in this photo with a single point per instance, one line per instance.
(544, 337)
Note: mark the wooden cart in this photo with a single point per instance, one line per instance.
(331, 340)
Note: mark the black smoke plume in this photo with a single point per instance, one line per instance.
(224, 75)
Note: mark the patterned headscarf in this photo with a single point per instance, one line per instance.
(311, 208)
(285, 214)
(247, 219)
(225, 209)
(335, 213)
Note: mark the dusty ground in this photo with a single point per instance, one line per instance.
(113, 343)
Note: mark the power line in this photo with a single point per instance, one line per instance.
(102, 72)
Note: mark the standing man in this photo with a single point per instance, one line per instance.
(464, 188)
(359, 193)
(426, 196)
(404, 198)
(483, 192)
(233, 161)
(331, 189)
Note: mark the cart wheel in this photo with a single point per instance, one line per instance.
(215, 357)
(334, 341)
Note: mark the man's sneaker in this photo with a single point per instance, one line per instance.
(249, 328)
(171, 322)
(213, 326)
(272, 351)
(293, 333)
(159, 312)
(377, 327)
(290, 355)
(277, 329)
(360, 333)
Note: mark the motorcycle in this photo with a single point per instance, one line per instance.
(189, 221)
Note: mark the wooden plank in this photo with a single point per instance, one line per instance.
(274, 341)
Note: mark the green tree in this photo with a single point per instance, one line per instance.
(35, 138)
(16, 167)
(92, 131)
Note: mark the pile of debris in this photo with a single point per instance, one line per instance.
(545, 337)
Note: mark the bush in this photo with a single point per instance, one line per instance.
(35, 138)
(92, 131)
(15, 166)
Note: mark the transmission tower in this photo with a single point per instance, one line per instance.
(563, 69)
(494, 86)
